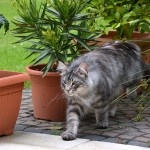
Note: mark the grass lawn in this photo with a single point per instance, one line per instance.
(12, 56)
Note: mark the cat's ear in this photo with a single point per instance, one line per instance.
(62, 68)
(83, 69)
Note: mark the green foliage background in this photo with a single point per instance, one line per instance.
(12, 56)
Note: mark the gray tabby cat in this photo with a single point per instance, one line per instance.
(95, 79)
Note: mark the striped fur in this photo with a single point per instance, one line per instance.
(95, 79)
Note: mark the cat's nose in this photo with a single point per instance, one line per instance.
(67, 90)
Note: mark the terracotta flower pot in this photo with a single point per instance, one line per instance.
(11, 86)
(48, 100)
(142, 40)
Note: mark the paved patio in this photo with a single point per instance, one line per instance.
(122, 130)
(36, 141)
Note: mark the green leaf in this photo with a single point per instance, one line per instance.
(80, 41)
(145, 27)
(30, 56)
(40, 44)
(62, 58)
(132, 22)
(117, 14)
(37, 50)
(49, 64)
(42, 57)
(54, 12)
(80, 16)
(118, 25)
(25, 38)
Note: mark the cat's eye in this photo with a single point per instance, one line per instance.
(75, 82)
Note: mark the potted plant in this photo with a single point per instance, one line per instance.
(11, 86)
(56, 30)
(122, 20)
(129, 20)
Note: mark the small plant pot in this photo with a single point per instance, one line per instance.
(48, 100)
(11, 86)
(142, 40)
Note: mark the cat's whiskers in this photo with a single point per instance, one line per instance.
(55, 99)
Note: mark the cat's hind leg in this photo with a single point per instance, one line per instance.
(101, 118)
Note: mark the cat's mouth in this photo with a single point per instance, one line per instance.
(69, 92)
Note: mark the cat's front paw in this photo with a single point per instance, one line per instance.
(67, 136)
(101, 126)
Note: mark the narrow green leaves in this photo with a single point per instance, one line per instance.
(51, 28)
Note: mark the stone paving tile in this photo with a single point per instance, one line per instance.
(147, 135)
(127, 137)
(136, 134)
(111, 134)
(142, 139)
(142, 124)
(26, 119)
(19, 122)
(31, 123)
(24, 115)
(26, 96)
(132, 129)
(92, 132)
(138, 143)
(116, 140)
(33, 129)
(20, 127)
(44, 125)
(145, 130)
(148, 118)
(121, 130)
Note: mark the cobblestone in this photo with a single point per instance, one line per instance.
(121, 129)
(33, 129)
(138, 143)
(20, 127)
(92, 132)
(147, 135)
(143, 139)
(127, 137)
(133, 133)
(111, 134)
(145, 130)
(116, 140)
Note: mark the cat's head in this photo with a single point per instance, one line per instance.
(74, 79)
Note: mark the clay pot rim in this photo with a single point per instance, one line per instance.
(12, 77)
(136, 35)
(30, 69)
